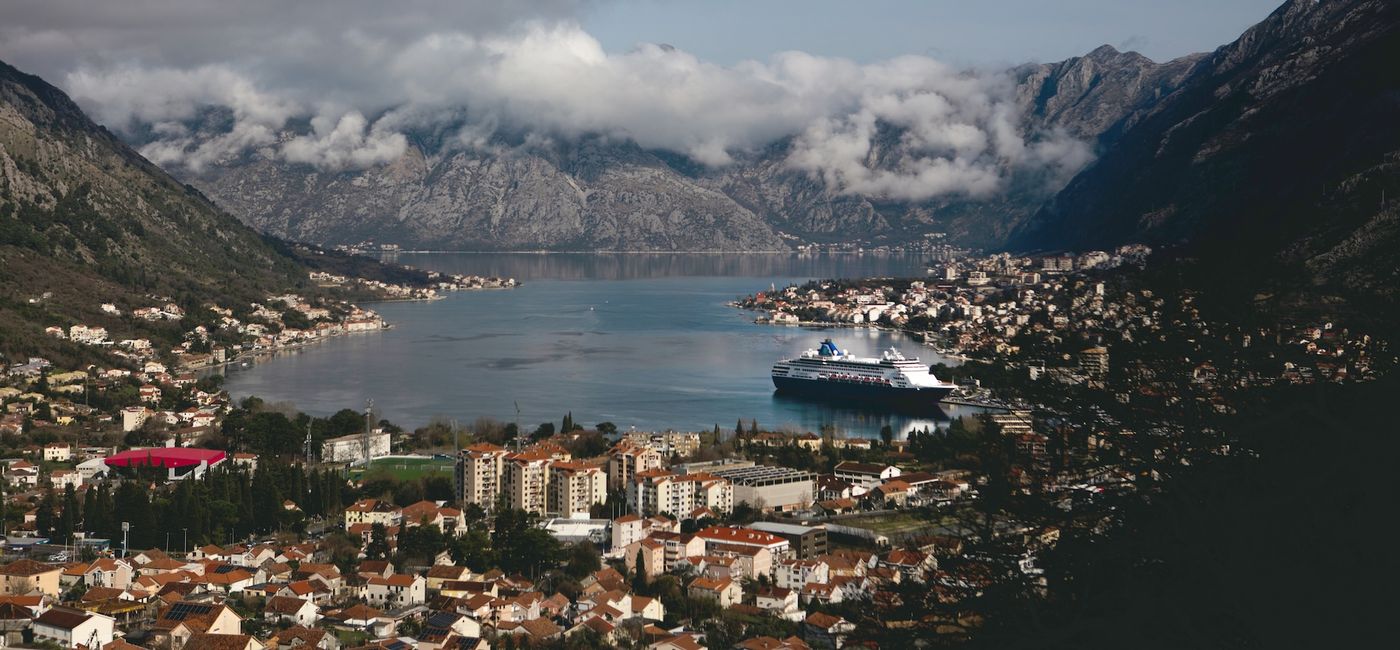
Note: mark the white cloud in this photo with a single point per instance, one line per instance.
(348, 143)
(529, 69)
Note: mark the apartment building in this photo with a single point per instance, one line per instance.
(573, 489)
(479, 473)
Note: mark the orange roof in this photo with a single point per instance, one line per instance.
(740, 535)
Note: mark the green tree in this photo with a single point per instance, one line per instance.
(378, 546)
(44, 515)
(639, 577)
(886, 435)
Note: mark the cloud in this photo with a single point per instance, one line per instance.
(350, 143)
(526, 69)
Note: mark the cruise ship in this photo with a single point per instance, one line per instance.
(829, 372)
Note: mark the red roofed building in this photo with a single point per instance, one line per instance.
(716, 536)
(179, 462)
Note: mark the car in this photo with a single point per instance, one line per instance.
(58, 557)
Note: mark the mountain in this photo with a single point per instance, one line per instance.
(1278, 156)
(597, 193)
(85, 220)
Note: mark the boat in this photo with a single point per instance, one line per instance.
(831, 373)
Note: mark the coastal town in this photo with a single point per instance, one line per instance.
(1060, 318)
(145, 508)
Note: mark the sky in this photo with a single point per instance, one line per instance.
(958, 31)
(712, 80)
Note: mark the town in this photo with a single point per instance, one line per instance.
(145, 508)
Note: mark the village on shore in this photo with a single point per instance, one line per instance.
(144, 508)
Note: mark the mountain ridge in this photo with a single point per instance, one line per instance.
(85, 220)
(599, 193)
(1271, 160)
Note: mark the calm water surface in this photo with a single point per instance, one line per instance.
(636, 339)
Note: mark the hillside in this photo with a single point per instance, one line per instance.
(85, 220)
(1276, 161)
(601, 193)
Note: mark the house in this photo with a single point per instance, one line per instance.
(107, 572)
(303, 638)
(295, 610)
(372, 511)
(770, 643)
(398, 590)
(441, 626)
(24, 577)
(649, 609)
(825, 631)
(58, 452)
(364, 617)
(864, 476)
(537, 630)
(779, 601)
(182, 619)
(726, 592)
(893, 491)
(207, 641)
(440, 573)
(69, 627)
(678, 642)
(796, 574)
(911, 564)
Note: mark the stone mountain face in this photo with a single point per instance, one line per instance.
(1276, 155)
(600, 195)
(85, 220)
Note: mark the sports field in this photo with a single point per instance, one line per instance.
(407, 468)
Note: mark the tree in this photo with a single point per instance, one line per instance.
(68, 519)
(44, 516)
(886, 435)
(584, 558)
(543, 431)
(378, 546)
(739, 429)
(639, 579)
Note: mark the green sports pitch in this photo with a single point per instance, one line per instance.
(406, 467)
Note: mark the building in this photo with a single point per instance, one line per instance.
(479, 473)
(575, 530)
(58, 452)
(627, 459)
(668, 444)
(574, 488)
(180, 621)
(24, 577)
(806, 541)
(297, 611)
(724, 591)
(395, 591)
(134, 416)
(719, 538)
(179, 462)
(351, 448)
(526, 480)
(771, 488)
(1093, 362)
(373, 511)
(70, 628)
(864, 475)
(657, 491)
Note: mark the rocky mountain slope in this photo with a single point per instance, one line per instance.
(1277, 156)
(598, 194)
(85, 220)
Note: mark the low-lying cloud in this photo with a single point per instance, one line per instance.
(910, 128)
